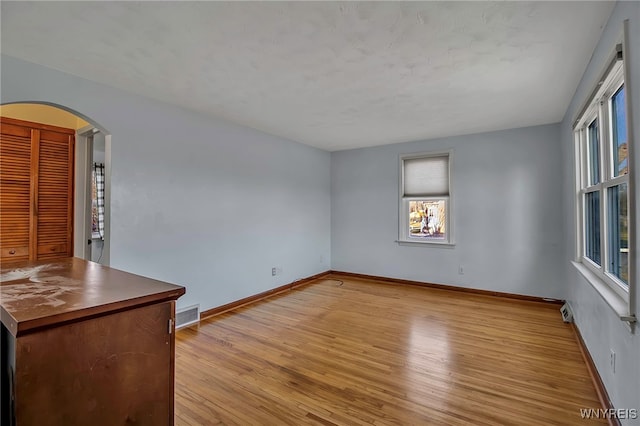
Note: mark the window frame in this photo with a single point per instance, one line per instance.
(403, 202)
(599, 107)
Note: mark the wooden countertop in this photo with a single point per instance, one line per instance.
(41, 294)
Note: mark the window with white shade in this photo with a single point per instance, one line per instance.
(425, 202)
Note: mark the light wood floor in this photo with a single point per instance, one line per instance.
(370, 353)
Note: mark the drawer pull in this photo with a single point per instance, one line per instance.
(12, 252)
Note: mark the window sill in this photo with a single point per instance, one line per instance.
(619, 305)
(425, 244)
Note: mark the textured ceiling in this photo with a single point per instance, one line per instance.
(327, 74)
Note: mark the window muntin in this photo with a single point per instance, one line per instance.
(593, 153)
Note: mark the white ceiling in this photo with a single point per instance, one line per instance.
(327, 74)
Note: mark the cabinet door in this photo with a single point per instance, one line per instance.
(36, 191)
(15, 192)
(54, 195)
(112, 370)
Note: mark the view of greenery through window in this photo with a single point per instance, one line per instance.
(620, 162)
(427, 219)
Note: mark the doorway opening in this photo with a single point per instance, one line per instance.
(92, 174)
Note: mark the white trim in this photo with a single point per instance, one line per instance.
(425, 243)
(106, 248)
(631, 184)
(613, 299)
(612, 60)
(86, 130)
(618, 180)
(614, 79)
(604, 276)
(82, 200)
(82, 193)
(594, 188)
(427, 154)
(578, 199)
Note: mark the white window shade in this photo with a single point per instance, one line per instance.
(426, 176)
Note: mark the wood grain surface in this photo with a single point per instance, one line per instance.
(112, 370)
(41, 294)
(350, 351)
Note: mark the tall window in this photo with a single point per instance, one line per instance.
(425, 205)
(602, 140)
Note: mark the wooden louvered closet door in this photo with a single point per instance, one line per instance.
(36, 191)
(15, 191)
(55, 195)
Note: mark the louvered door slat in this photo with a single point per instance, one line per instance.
(15, 176)
(55, 193)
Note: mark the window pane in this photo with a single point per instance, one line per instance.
(427, 219)
(426, 176)
(592, 226)
(619, 124)
(594, 153)
(618, 232)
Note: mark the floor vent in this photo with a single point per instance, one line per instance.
(187, 316)
(567, 315)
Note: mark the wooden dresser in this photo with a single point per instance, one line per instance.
(84, 344)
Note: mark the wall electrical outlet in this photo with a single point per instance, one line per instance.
(612, 360)
(273, 272)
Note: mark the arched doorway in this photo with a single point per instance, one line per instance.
(92, 173)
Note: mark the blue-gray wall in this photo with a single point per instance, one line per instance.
(507, 213)
(600, 327)
(197, 201)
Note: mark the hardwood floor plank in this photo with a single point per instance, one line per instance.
(345, 350)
